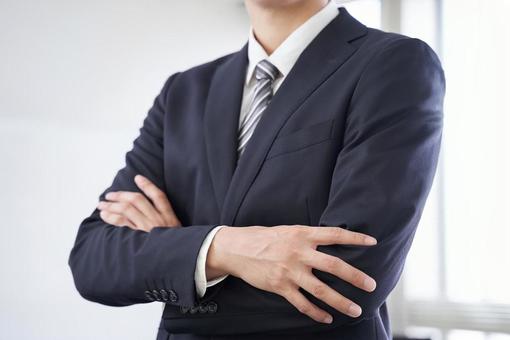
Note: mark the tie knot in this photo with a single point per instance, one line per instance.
(266, 70)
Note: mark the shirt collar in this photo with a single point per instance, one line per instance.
(285, 55)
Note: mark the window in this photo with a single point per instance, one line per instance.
(456, 283)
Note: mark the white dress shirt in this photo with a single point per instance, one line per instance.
(284, 57)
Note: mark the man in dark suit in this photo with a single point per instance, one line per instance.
(247, 199)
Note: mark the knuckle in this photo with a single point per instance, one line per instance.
(331, 264)
(290, 235)
(356, 276)
(136, 197)
(333, 233)
(128, 209)
(339, 232)
(345, 306)
(298, 229)
(304, 308)
(360, 238)
(302, 232)
(359, 277)
(319, 290)
(159, 195)
(290, 253)
(171, 221)
(342, 304)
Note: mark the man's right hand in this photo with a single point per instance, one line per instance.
(280, 259)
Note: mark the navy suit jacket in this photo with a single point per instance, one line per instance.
(350, 139)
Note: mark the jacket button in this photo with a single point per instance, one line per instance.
(184, 309)
(202, 308)
(172, 295)
(212, 307)
(149, 295)
(156, 294)
(164, 294)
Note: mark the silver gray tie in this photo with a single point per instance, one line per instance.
(265, 73)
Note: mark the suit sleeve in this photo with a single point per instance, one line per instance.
(380, 182)
(119, 266)
(385, 171)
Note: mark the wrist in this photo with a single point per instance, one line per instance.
(217, 261)
(227, 253)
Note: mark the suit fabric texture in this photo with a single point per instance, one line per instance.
(350, 139)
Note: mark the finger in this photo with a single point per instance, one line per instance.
(339, 268)
(157, 196)
(298, 300)
(323, 292)
(139, 201)
(126, 210)
(116, 220)
(338, 235)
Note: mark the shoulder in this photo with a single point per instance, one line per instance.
(384, 46)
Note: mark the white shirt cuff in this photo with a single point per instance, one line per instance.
(201, 282)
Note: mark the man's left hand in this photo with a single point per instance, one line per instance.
(134, 210)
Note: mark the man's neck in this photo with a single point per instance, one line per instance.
(273, 23)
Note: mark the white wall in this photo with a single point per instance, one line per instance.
(76, 81)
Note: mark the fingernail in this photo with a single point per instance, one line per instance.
(328, 319)
(140, 178)
(354, 310)
(369, 284)
(370, 241)
(109, 195)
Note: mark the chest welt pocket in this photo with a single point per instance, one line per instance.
(302, 138)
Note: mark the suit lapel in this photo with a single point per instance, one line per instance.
(221, 119)
(326, 53)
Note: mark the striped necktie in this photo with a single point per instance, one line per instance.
(265, 73)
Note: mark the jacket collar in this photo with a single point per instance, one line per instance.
(289, 50)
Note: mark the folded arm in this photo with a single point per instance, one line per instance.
(122, 266)
(382, 177)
